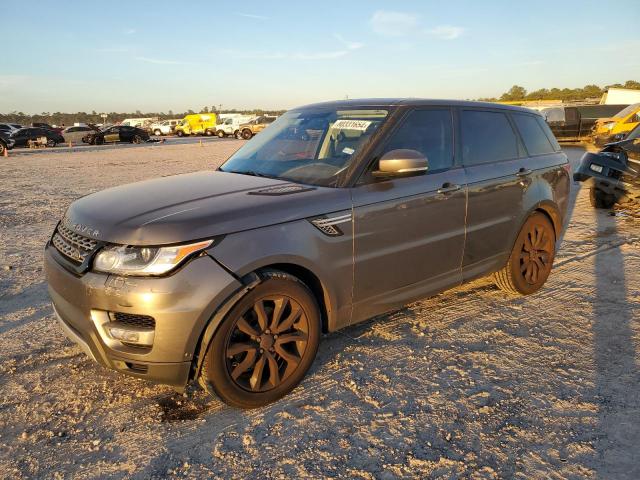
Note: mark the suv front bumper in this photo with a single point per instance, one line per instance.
(180, 305)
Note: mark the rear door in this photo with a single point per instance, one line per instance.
(409, 232)
(497, 174)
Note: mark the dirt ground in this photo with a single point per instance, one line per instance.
(470, 383)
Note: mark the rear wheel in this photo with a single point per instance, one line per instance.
(221, 134)
(157, 133)
(208, 133)
(51, 142)
(136, 139)
(530, 261)
(2, 148)
(266, 344)
(600, 199)
(180, 133)
(247, 134)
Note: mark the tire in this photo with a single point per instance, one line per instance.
(137, 139)
(531, 259)
(238, 135)
(51, 143)
(600, 199)
(157, 133)
(247, 134)
(180, 133)
(3, 147)
(252, 360)
(208, 133)
(221, 134)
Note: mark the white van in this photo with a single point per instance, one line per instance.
(230, 122)
(165, 127)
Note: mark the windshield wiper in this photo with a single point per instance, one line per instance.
(253, 173)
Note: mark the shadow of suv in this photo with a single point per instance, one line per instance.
(337, 212)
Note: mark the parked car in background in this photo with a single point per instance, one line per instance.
(336, 213)
(612, 174)
(165, 127)
(617, 127)
(576, 122)
(230, 124)
(6, 142)
(47, 126)
(23, 136)
(10, 127)
(249, 129)
(115, 134)
(75, 134)
(196, 124)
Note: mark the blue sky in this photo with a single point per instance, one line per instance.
(162, 55)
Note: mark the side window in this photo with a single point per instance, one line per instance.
(430, 133)
(552, 138)
(487, 137)
(532, 135)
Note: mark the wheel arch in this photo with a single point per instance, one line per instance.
(249, 281)
(552, 212)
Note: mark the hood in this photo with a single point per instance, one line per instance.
(198, 205)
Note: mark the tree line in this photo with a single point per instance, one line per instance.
(61, 118)
(518, 92)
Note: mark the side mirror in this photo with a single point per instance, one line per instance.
(401, 163)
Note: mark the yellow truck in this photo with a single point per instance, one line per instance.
(196, 124)
(614, 129)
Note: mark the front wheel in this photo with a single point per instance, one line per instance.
(157, 133)
(530, 262)
(265, 345)
(221, 134)
(600, 199)
(3, 147)
(180, 133)
(208, 133)
(51, 143)
(137, 139)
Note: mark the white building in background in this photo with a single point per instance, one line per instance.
(620, 96)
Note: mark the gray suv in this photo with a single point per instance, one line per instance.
(335, 213)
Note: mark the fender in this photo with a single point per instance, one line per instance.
(249, 281)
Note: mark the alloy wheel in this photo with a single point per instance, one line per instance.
(536, 255)
(267, 343)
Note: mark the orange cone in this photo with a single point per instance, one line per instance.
(70, 144)
(6, 153)
(200, 142)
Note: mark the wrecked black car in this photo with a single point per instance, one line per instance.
(613, 173)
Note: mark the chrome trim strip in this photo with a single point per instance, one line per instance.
(74, 337)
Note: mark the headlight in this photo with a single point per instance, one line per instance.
(124, 260)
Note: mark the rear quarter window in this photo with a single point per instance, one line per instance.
(487, 137)
(535, 140)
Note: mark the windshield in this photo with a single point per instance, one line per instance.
(633, 134)
(308, 146)
(627, 110)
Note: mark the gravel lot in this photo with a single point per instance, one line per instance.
(469, 383)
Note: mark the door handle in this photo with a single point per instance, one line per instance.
(448, 188)
(524, 172)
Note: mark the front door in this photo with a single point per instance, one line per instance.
(410, 232)
(112, 135)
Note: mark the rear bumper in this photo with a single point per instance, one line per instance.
(180, 305)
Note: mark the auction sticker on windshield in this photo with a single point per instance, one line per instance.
(351, 125)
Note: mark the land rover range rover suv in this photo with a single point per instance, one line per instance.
(336, 213)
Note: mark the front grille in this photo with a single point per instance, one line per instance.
(73, 245)
(133, 320)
